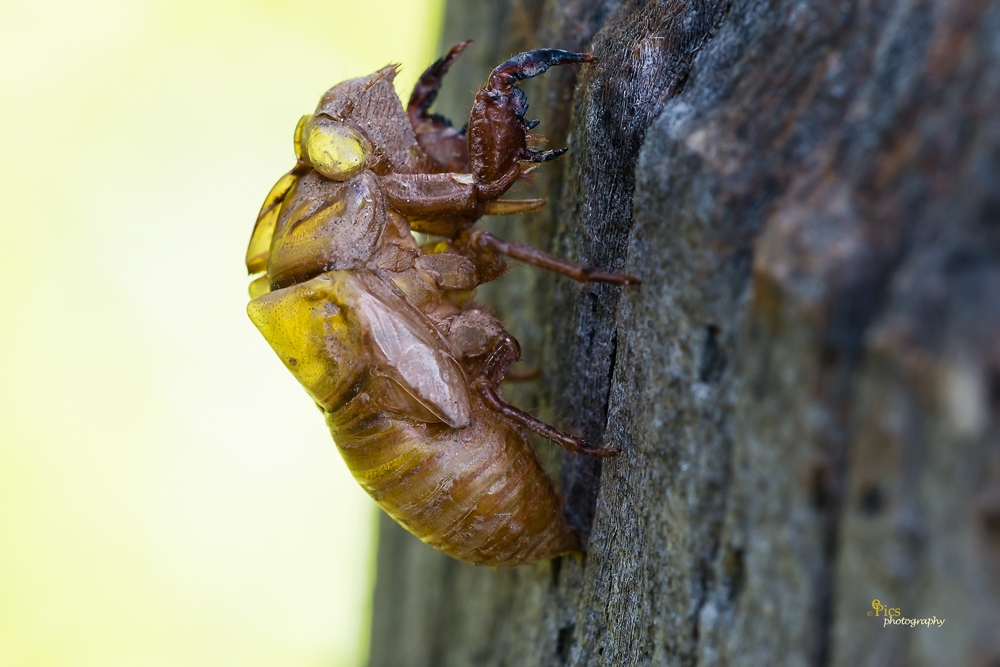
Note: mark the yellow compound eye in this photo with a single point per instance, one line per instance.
(300, 129)
(336, 150)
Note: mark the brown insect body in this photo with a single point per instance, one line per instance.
(384, 334)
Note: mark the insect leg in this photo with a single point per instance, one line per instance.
(487, 384)
(523, 376)
(498, 133)
(484, 241)
(426, 90)
(530, 64)
(446, 146)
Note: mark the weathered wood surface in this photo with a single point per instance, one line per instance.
(806, 386)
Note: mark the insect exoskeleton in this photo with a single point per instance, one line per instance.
(401, 410)
(384, 333)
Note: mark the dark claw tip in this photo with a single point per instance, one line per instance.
(546, 156)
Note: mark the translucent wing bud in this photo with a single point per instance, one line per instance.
(260, 286)
(336, 151)
(300, 131)
(260, 240)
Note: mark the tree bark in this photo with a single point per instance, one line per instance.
(805, 387)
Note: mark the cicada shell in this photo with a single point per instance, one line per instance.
(385, 334)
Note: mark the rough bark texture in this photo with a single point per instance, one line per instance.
(806, 386)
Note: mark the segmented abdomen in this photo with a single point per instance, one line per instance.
(477, 493)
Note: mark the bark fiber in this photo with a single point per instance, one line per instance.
(806, 386)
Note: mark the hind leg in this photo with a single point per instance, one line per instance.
(504, 354)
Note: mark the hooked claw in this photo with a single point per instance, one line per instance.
(529, 64)
(498, 133)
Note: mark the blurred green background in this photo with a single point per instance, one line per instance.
(168, 493)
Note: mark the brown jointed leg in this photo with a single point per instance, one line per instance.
(488, 382)
(447, 147)
(523, 376)
(499, 136)
(480, 240)
(426, 89)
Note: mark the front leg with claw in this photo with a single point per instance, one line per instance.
(498, 133)
(498, 138)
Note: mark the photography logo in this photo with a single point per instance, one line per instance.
(893, 616)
